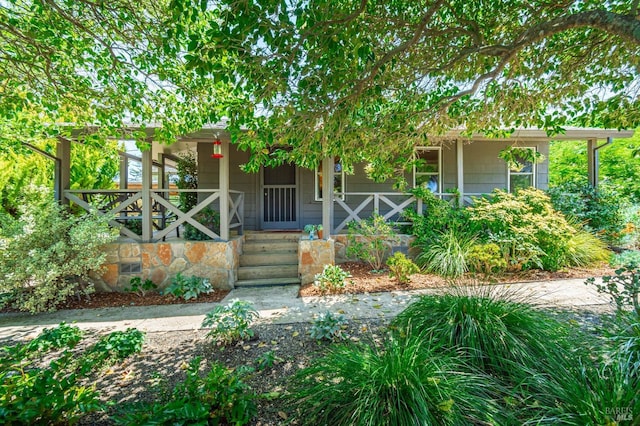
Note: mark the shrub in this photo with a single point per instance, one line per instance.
(625, 258)
(600, 209)
(401, 268)
(623, 288)
(369, 240)
(207, 217)
(400, 382)
(489, 332)
(486, 259)
(139, 287)
(330, 279)
(231, 323)
(221, 397)
(188, 288)
(329, 327)
(447, 255)
(47, 255)
(439, 216)
(530, 233)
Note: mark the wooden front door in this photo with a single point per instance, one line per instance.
(280, 197)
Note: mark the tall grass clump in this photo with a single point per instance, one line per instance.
(447, 254)
(399, 382)
(489, 332)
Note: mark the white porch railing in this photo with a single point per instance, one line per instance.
(127, 205)
(390, 205)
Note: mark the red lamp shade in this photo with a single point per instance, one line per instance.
(217, 149)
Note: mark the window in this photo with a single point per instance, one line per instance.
(427, 171)
(522, 172)
(338, 179)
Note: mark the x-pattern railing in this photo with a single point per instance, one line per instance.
(126, 205)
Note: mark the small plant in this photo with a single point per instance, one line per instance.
(370, 240)
(623, 288)
(59, 337)
(188, 288)
(139, 287)
(267, 360)
(330, 279)
(221, 397)
(119, 345)
(231, 323)
(486, 259)
(329, 326)
(401, 267)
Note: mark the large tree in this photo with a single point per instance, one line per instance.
(360, 79)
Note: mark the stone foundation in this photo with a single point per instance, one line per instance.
(160, 262)
(312, 256)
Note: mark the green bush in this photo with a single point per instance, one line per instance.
(623, 288)
(447, 254)
(221, 397)
(601, 210)
(207, 217)
(439, 216)
(47, 255)
(488, 332)
(530, 233)
(369, 240)
(231, 323)
(330, 279)
(329, 327)
(188, 288)
(401, 268)
(625, 258)
(399, 382)
(486, 259)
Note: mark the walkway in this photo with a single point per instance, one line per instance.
(281, 305)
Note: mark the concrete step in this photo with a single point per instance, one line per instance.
(267, 282)
(280, 236)
(256, 246)
(277, 257)
(272, 271)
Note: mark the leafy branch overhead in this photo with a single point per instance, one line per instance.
(321, 77)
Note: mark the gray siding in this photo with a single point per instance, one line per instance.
(483, 172)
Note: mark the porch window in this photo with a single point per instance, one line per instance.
(522, 174)
(427, 170)
(338, 179)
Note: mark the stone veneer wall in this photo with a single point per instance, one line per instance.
(160, 262)
(312, 256)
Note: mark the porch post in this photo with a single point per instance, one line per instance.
(328, 168)
(224, 192)
(147, 214)
(591, 161)
(63, 152)
(124, 171)
(460, 170)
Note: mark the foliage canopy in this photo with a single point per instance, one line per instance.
(323, 77)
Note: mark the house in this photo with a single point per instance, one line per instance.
(287, 198)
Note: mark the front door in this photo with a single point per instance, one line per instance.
(280, 197)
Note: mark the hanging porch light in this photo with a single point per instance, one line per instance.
(217, 149)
